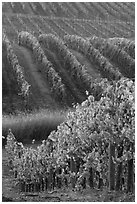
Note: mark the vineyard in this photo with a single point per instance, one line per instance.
(59, 62)
(76, 57)
(93, 148)
(78, 10)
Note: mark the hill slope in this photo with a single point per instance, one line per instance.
(14, 23)
(39, 86)
(66, 67)
(95, 67)
(88, 10)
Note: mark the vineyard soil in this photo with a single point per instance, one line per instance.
(11, 193)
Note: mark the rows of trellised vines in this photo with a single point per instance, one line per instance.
(84, 27)
(13, 60)
(126, 44)
(116, 55)
(54, 80)
(98, 137)
(77, 71)
(75, 9)
(72, 90)
(84, 46)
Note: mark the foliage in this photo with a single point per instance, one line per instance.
(111, 118)
(75, 69)
(80, 10)
(55, 81)
(116, 55)
(81, 45)
(88, 131)
(13, 60)
(81, 143)
(126, 44)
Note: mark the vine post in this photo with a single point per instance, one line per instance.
(111, 172)
(119, 168)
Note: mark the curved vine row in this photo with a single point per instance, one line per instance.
(75, 69)
(83, 46)
(54, 80)
(125, 44)
(13, 60)
(116, 55)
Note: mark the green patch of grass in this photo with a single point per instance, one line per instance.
(37, 125)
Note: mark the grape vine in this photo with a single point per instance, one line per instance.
(78, 154)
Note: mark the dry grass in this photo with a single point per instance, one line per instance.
(36, 125)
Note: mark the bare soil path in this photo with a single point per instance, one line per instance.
(40, 90)
(42, 85)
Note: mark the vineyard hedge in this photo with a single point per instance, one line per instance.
(94, 147)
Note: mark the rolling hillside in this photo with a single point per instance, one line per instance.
(68, 101)
(63, 50)
(88, 10)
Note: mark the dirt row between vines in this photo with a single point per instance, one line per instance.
(39, 91)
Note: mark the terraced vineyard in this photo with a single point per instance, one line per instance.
(58, 41)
